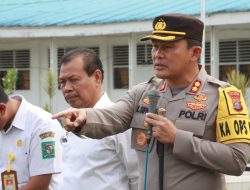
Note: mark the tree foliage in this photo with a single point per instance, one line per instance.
(49, 85)
(239, 80)
(9, 81)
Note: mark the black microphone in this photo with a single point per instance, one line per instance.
(153, 97)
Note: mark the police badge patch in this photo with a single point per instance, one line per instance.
(235, 98)
(48, 149)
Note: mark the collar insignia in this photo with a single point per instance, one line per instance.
(195, 86)
(163, 86)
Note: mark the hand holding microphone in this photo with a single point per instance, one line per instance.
(161, 127)
(153, 97)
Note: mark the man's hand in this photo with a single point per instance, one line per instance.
(72, 118)
(163, 129)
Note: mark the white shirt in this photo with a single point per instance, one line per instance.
(34, 138)
(105, 164)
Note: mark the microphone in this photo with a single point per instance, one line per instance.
(153, 97)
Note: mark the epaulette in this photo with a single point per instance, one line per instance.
(146, 82)
(213, 80)
(152, 82)
(154, 79)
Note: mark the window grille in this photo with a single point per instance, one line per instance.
(227, 51)
(234, 55)
(120, 67)
(144, 54)
(19, 59)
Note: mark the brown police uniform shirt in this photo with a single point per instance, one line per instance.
(195, 160)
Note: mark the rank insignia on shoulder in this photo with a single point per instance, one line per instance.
(200, 97)
(47, 134)
(196, 105)
(48, 149)
(195, 86)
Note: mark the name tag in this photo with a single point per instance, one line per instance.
(232, 130)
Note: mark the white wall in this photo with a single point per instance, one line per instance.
(238, 182)
(39, 60)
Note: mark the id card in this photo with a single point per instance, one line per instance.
(9, 180)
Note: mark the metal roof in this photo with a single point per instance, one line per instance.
(82, 12)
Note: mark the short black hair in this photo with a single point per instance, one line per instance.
(192, 42)
(3, 96)
(91, 61)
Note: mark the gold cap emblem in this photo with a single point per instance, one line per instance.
(160, 25)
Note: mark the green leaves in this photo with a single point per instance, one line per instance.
(239, 80)
(9, 81)
(50, 86)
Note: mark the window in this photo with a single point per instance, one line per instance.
(227, 58)
(227, 52)
(244, 57)
(234, 55)
(120, 66)
(144, 54)
(19, 59)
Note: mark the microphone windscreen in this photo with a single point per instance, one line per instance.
(153, 97)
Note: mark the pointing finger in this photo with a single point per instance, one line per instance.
(60, 114)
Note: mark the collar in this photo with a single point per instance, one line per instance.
(103, 102)
(193, 88)
(19, 119)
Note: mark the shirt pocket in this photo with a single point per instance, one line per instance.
(194, 126)
(139, 133)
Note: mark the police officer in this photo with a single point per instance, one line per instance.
(205, 130)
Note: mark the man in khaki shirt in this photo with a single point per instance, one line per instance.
(205, 131)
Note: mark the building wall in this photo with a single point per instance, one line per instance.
(39, 56)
